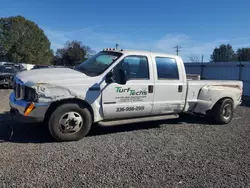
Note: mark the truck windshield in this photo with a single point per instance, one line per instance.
(98, 63)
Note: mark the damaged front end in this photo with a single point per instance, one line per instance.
(37, 89)
(40, 92)
(49, 93)
(34, 100)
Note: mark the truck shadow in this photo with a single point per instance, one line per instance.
(16, 132)
(97, 130)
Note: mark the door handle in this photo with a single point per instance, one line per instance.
(150, 89)
(180, 88)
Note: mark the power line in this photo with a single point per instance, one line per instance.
(177, 49)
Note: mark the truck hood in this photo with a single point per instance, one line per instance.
(57, 76)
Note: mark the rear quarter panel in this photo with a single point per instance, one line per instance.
(203, 95)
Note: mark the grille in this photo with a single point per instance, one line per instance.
(23, 92)
(19, 91)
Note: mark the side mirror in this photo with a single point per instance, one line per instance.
(123, 76)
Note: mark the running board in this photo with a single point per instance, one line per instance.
(136, 120)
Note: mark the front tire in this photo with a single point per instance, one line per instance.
(70, 122)
(223, 111)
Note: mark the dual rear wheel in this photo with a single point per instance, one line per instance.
(223, 111)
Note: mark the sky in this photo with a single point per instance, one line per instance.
(198, 26)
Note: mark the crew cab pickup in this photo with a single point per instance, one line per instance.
(117, 87)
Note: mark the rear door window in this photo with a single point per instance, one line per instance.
(167, 68)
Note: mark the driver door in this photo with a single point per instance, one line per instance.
(135, 98)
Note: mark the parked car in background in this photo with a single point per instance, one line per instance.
(41, 67)
(6, 75)
(18, 66)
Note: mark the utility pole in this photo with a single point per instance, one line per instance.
(177, 49)
(116, 46)
(202, 67)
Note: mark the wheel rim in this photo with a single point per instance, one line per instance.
(227, 111)
(71, 122)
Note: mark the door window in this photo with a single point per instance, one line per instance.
(135, 66)
(166, 68)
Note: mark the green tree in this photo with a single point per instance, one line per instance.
(72, 54)
(243, 54)
(22, 40)
(224, 53)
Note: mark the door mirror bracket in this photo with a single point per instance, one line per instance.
(109, 78)
(119, 78)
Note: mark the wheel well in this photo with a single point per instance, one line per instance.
(55, 104)
(210, 111)
(222, 100)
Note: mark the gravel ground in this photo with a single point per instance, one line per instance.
(175, 153)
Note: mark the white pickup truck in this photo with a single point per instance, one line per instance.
(118, 87)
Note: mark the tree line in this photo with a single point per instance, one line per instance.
(22, 41)
(225, 53)
(73, 53)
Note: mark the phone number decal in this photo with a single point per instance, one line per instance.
(130, 109)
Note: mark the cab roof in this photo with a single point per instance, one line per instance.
(139, 52)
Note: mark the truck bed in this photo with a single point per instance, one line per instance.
(194, 87)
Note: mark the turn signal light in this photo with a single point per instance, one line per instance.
(29, 109)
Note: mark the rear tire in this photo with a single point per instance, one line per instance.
(70, 122)
(223, 111)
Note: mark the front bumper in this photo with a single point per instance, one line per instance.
(18, 107)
